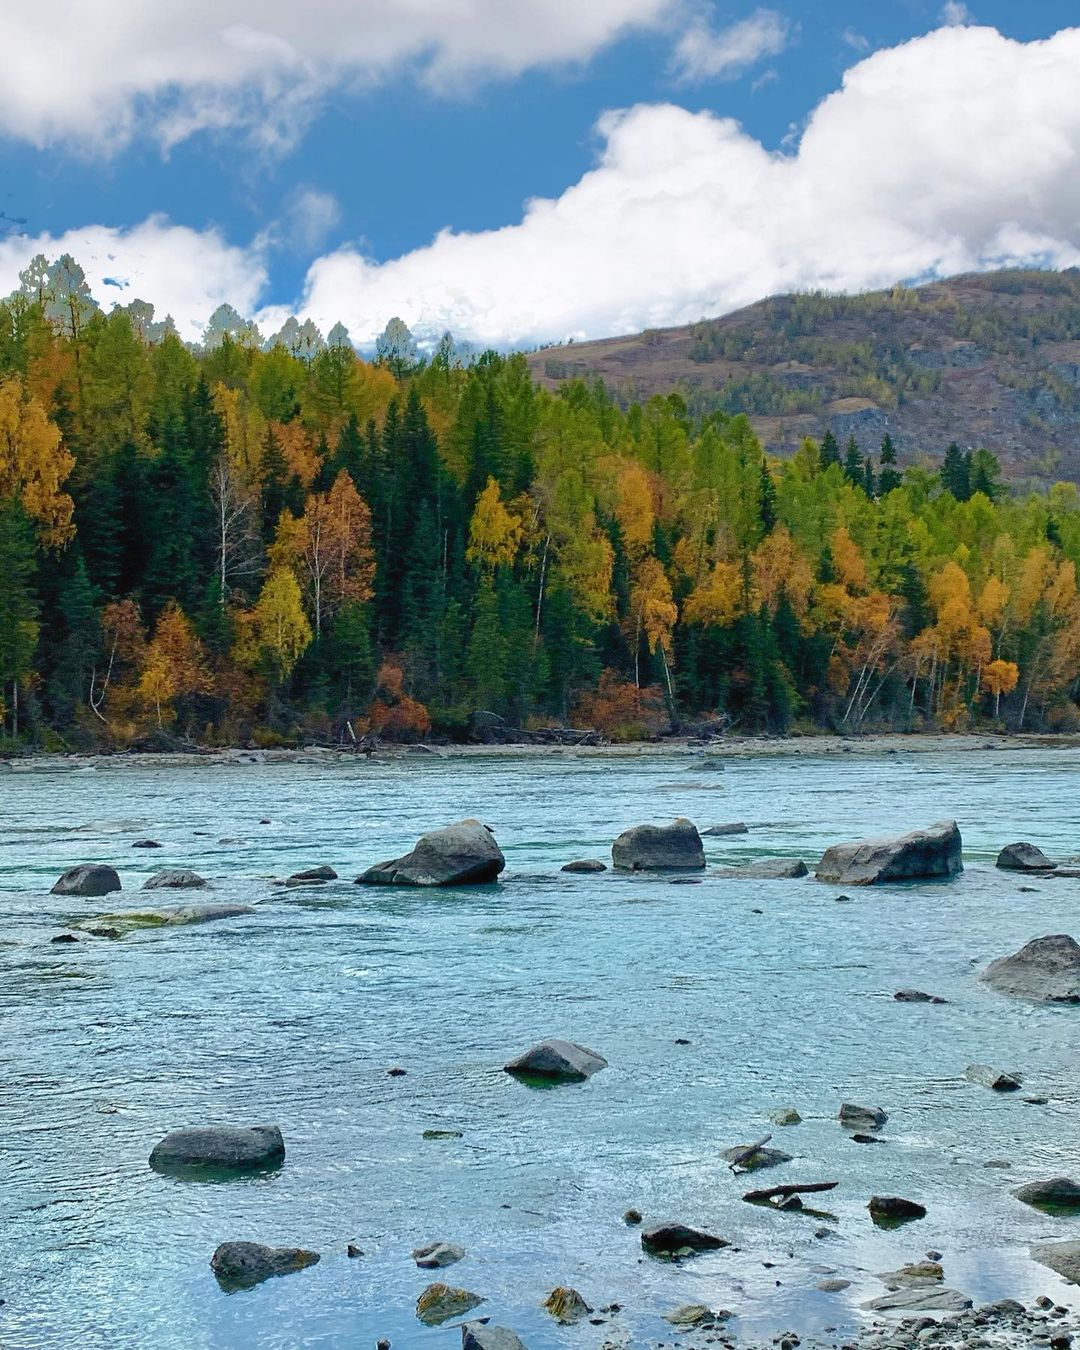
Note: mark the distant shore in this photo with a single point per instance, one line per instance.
(726, 747)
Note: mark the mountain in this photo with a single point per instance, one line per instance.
(988, 360)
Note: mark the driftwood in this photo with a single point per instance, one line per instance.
(792, 1188)
(747, 1153)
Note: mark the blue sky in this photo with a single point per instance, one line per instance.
(368, 159)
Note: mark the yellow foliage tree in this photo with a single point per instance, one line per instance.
(494, 531)
(276, 633)
(34, 464)
(173, 664)
(1000, 677)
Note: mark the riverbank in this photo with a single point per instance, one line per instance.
(714, 751)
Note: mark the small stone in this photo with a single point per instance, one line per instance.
(396, 1072)
(631, 1217)
(584, 865)
(786, 1115)
(354, 1252)
(916, 996)
(439, 1302)
(855, 1117)
(691, 1315)
(442, 1134)
(996, 1079)
(566, 1305)
(146, 843)
(242, 1265)
(833, 1286)
(312, 874)
(180, 878)
(436, 1255)
(64, 937)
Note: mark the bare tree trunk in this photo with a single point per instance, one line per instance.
(540, 593)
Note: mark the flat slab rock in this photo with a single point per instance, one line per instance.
(766, 869)
(476, 1336)
(239, 1148)
(1045, 970)
(736, 827)
(177, 879)
(921, 854)
(996, 1079)
(1023, 857)
(1062, 1257)
(920, 1300)
(464, 854)
(241, 1265)
(671, 1239)
(172, 916)
(88, 879)
(659, 848)
(558, 1061)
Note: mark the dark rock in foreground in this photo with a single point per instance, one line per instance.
(1023, 858)
(87, 879)
(1062, 1257)
(922, 854)
(659, 848)
(767, 869)
(855, 1117)
(176, 879)
(1059, 1194)
(996, 1079)
(670, 1239)
(886, 1210)
(1046, 970)
(476, 1336)
(557, 1061)
(240, 1149)
(464, 854)
(241, 1265)
(585, 865)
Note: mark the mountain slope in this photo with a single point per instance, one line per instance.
(989, 360)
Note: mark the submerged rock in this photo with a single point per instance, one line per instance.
(659, 848)
(313, 876)
(760, 1158)
(566, 1305)
(919, 1275)
(557, 1061)
(464, 854)
(87, 879)
(1045, 970)
(996, 1079)
(1062, 1257)
(169, 916)
(766, 869)
(1023, 858)
(695, 1315)
(436, 1255)
(585, 865)
(887, 1210)
(934, 852)
(916, 996)
(736, 827)
(146, 843)
(672, 1239)
(854, 1117)
(439, 1302)
(234, 1148)
(1058, 1195)
(476, 1336)
(177, 879)
(241, 1265)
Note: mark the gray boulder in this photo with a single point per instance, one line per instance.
(672, 1239)
(886, 1210)
(920, 1300)
(464, 854)
(234, 1148)
(175, 879)
(585, 865)
(1062, 1257)
(558, 1061)
(87, 879)
(854, 1117)
(241, 1265)
(439, 1302)
(1058, 1195)
(1024, 858)
(767, 869)
(785, 1115)
(312, 876)
(566, 1305)
(436, 1255)
(477, 1336)
(935, 852)
(996, 1079)
(659, 848)
(1046, 970)
(736, 827)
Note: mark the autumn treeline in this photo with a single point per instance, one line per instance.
(240, 543)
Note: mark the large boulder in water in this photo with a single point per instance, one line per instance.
(241, 1265)
(459, 855)
(935, 852)
(557, 1061)
(220, 1147)
(175, 879)
(1059, 1195)
(672, 1239)
(659, 848)
(88, 879)
(1046, 970)
(1024, 858)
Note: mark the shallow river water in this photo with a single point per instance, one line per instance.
(294, 1014)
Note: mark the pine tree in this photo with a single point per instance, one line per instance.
(830, 451)
(869, 484)
(956, 473)
(18, 611)
(888, 478)
(853, 463)
(767, 500)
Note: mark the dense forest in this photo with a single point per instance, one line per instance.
(275, 541)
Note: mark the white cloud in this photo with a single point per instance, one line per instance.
(704, 53)
(93, 75)
(183, 272)
(856, 40)
(957, 151)
(955, 14)
(311, 216)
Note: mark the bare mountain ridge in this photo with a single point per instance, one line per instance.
(987, 360)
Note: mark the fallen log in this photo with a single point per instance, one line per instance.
(748, 1152)
(792, 1188)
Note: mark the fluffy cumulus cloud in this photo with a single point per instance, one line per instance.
(956, 151)
(96, 77)
(183, 272)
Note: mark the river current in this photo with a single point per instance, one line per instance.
(293, 1016)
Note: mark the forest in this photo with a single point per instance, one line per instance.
(273, 542)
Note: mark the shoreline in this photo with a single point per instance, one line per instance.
(721, 748)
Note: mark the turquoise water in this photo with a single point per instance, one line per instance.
(294, 1015)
